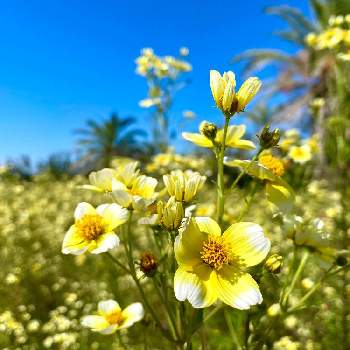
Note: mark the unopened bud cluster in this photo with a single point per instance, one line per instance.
(267, 138)
(209, 130)
(274, 263)
(148, 264)
(170, 214)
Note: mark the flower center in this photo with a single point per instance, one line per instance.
(215, 252)
(272, 163)
(115, 318)
(90, 226)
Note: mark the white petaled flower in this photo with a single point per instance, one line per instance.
(94, 229)
(111, 317)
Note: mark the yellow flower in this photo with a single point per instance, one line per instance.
(277, 190)
(233, 138)
(213, 266)
(129, 189)
(93, 229)
(225, 97)
(311, 39)
(300, 154)
(101, 181)
(111, 317)
(183, 185)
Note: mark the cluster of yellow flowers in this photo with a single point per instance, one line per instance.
(335, 37)
(157, 68)
(163, 163)
(299, 150)
(161, 67)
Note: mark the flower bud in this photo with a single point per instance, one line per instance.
(274, 310)
(341, 258)
(171, 214)
(209, 130)
(274, 263)
(267, 138)
(148, 264)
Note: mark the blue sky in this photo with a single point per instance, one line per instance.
(64, 61)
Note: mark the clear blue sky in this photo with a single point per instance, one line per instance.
(64, 61)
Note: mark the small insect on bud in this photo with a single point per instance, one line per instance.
(267, 138)
(148, 264)
(209, 130)
(274, 263)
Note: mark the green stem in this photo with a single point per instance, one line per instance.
(248, 201)
(206, 319)
(172, 321)
(328, 274)
(118, 263)
(245, 169)
(128, 251)
(220, 179)
(296, 277)
(232, 331)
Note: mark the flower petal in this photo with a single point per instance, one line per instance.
(281, 195)
(113, 215)
(243, 144)
(208, 225)
(197, 139)
(187, 285)
(133, 313)
(238, 290)
(96, 323)
(247, 91)
(83, 209)
(252, 168)
(247, 242)
(74, 243)
(105, 242)
(122, 197)
(109, 330)
(189, 243)
(102, 179)
(107, 307)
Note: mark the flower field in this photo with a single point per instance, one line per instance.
(241, 242)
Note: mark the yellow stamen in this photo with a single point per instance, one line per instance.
(115, 318)
(272, 163)
(90, 226)
(215, 252)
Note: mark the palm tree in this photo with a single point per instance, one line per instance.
(303, 75)
(100, 142)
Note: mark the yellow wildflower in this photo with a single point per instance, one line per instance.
(233, 138)
(129, 189)
(277, 190)
(225, 97)
(300, 154)
(213, 265)
(111, 317)
(183, 185)
(101, 181)
(93, 229)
